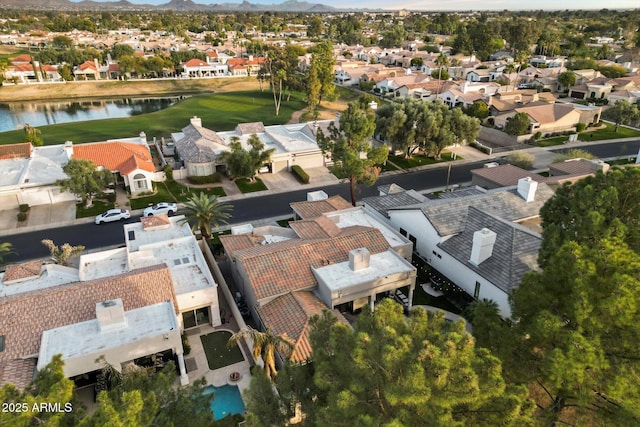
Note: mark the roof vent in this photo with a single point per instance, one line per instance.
(110, 315)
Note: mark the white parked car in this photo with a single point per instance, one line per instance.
(161, 208)
(113, 215)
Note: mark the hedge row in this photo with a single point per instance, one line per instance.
(300, 174)
(207, 179)
(484, 149)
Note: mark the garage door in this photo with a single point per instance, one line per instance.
(280, 166)
(310, 161)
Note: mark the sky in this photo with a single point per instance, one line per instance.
(441, 5)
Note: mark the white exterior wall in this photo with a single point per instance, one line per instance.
(203, 298)
(200, 169)
(116, 356)
(418, 226)
(463, 276)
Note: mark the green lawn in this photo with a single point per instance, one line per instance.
(608, 132)
(220, 112)
(420, 297)
(97, 208)
(172, 192)
(419, 160)
(218, 354)
(388, 167)
(247, 186)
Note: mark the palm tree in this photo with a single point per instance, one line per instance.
(6, 248)
(61, 255)
(441, 61)
(203, 212)
(264, 342)
(510, 68)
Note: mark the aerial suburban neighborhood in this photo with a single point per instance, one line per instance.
(251, 214)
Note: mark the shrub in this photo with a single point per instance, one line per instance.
(300, 174)
(22, 216)
(24, 207)
(111, 197)
(484, 149)
(521, 160)
(537, 136)
(580, 127)
(168, 171)
(185, 344)
(207, 179)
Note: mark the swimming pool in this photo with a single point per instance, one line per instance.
(227, 400)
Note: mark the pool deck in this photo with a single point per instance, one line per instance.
(217, 377)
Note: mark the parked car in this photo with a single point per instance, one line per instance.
(161, 208)
(113, 215)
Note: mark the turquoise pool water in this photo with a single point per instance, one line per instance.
(227, 400)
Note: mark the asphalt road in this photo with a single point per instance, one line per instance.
(28, 246)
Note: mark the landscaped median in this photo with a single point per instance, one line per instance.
(245, 185)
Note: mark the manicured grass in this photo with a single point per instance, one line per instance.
(173, 192)
(220, 112)
(608, 132)
(97, 208)
(218, 354)
(247, 186)
(388, 167)
(161, 195)
(419, 160)
(345, 94)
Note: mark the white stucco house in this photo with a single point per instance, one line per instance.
(118, 306)
(487, 264)
(294, 144)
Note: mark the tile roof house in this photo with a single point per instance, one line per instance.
(325, 261)
(130, 158)
(313, 209)
(36, 298)
(432, 223)
(501, 176)
(544, 117)
(289, 315)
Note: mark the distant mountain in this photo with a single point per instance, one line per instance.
(174, 5)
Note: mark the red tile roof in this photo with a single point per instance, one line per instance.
(195, 62)
(19, 272)
(313, 209)
(289, 315)
(154, 221)
(26, 315)
(278, 268)
(88, 65)
(123, 157)
(12, 151)
(20, 58)
(316, 228)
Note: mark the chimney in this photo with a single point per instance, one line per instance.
(110, 315)
(527, 188)
(359, 259)
(463, 87)
(313, 196)
(483, 241)
(373, 105)
(68, 147)
(143, 138)
(196, 121)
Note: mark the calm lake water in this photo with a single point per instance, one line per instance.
(14, 115)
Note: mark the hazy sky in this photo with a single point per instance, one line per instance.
(442, 5)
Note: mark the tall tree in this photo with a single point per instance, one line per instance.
(263, 404)
(622, 113)
(204, 212)
(351, 151)
(62, 254)
(575, 334)
(518, 124)
(320, 74)
(280, 66)
(49, 386)
(566, 79)
(390, 370)
(241, 163)
(85, 180)
(265, 344)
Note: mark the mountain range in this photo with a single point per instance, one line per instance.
(173, 5)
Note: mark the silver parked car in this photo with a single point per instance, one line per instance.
(161, 208)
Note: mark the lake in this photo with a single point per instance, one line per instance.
(14, 115)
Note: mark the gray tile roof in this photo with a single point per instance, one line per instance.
(515, 251)
(464, 192)
(199, 145)
(449, 216)
(250, 128)
(394, 200)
